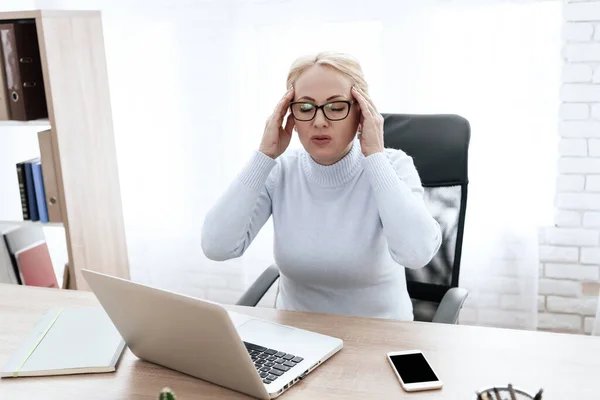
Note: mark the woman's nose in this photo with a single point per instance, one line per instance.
(320, 120)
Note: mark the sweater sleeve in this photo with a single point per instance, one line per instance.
(413, 235)
(233, 222)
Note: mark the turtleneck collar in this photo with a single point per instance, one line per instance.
(336, 174)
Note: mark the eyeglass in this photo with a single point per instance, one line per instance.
(334, 111)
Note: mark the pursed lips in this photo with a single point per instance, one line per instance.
(321, 138)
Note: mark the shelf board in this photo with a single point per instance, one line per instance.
(28, 14)
(24, 223)
(37, 14)
(35, 122)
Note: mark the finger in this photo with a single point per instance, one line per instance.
(289, 124)
(361, 101)
(283, 104)
(368, 100)
(278, 113)
(364, 107)
(366, 96)
(373, 110)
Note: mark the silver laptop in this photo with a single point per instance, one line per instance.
(201, 338)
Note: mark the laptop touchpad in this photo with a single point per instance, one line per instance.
(258, 331)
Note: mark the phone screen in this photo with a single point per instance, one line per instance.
(413, 368)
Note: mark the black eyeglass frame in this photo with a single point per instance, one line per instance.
(322, 106)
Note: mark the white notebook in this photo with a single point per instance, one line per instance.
(72, 340)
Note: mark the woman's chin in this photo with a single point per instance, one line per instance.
(324, 156)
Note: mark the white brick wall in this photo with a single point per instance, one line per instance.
(580, 92)
(573, 237)
(559, 288)
(595, 110)
(582, 165)
(573, 147)
(560, 322)
(580, 11)
(588, 325)
(558, 254)
(582, 52)
(575, 73)
(575, 111)
(571, 271)
(570, 183)
(578, 31)
(596, 77)
(590, 256)
(586, 306)
(567, 218)
(591, 219)
(592, 182)
(541, 303)
(578, 201)
(594, 147)
(571, 253)
(514, 302)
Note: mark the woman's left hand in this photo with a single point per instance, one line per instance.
(371, 137)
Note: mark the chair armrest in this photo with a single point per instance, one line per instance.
(449, 308)
(260, 286)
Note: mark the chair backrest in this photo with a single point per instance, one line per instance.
(439, 147)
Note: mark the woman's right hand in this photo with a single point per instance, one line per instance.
(276, 138)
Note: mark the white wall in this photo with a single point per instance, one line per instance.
(571, 253)
(163, 60)
(192, 83)
(179, 71)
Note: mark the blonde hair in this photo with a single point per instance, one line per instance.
(341, 62)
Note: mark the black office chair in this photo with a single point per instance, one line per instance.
(439, 146)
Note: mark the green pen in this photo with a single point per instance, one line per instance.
(167, 394)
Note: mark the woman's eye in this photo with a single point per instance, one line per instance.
(336, 107)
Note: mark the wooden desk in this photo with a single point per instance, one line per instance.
(466, 358)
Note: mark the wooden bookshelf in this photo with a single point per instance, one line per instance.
(80, 119)
(37, 122)
(25, 223)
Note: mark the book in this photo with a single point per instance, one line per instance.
(35, 266)
(7, 267)
(23, 190)
(40, 193)
(34, 214)
(4, 102)
(22, 64)
(65, 341)
(8, 264)
(66, 277)
(29, 251)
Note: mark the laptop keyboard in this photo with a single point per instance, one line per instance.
(270, 363)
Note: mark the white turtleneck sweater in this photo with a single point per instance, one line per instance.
(343, 233)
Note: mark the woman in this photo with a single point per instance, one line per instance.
(348, 214)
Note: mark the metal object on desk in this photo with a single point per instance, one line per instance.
(507, 393)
